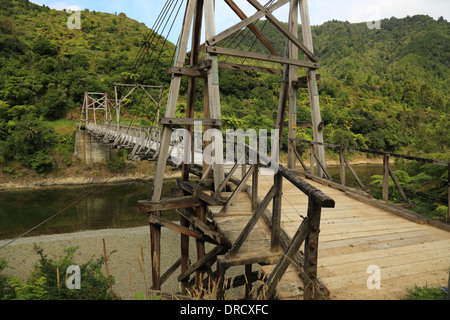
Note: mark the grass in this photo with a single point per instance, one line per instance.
(63, 127)
(424, 293)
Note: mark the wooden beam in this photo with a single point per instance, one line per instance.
(199, 192)
(237, 190)
(252, 27)
(385, 192)
(201, 262)
(203, 227)
(170, 271)
(306, 188)
(175, 227)
(190, 121)
(291, 36)
(188, 72)
(397, 184)
(355, 175)
(145, 206)
(287, 258)
(257, 56)
(252, 257)
(241, 67)
(244, 23)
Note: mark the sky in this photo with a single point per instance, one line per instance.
(321, 11)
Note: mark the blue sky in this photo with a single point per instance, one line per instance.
(147, 11)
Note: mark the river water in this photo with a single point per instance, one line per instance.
(111, 206)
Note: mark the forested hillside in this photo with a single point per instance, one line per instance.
(45, 69)
(385, 89)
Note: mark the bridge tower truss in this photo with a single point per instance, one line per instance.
(199, 12)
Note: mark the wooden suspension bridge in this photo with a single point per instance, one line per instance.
(263, 214)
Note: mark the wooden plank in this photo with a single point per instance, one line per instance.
(145, 206)
(254, 219)
(257, 56)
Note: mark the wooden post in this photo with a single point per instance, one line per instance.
(342, 165)
(448, 200)
(386, 177)
(276, 212)
(155, 247)
(255, 188)
(165, 141)
(293, 76)
(184, 242)
(200, 250)
(212, 84)
(117, 110)
(312, 158)
(312, 85)
(311, 250)
(220, 281)
(248, 280)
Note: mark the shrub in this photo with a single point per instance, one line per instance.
(44, 283)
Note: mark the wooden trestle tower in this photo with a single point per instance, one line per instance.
(195, 200)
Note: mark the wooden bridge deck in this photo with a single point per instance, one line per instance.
(355, 235)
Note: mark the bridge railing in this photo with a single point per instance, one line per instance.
(388, 173)
(307, 233)
(139, 138)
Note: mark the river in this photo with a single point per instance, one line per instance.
(111, 206)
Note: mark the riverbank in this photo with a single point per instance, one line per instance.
(123, 247)
(82, 174)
